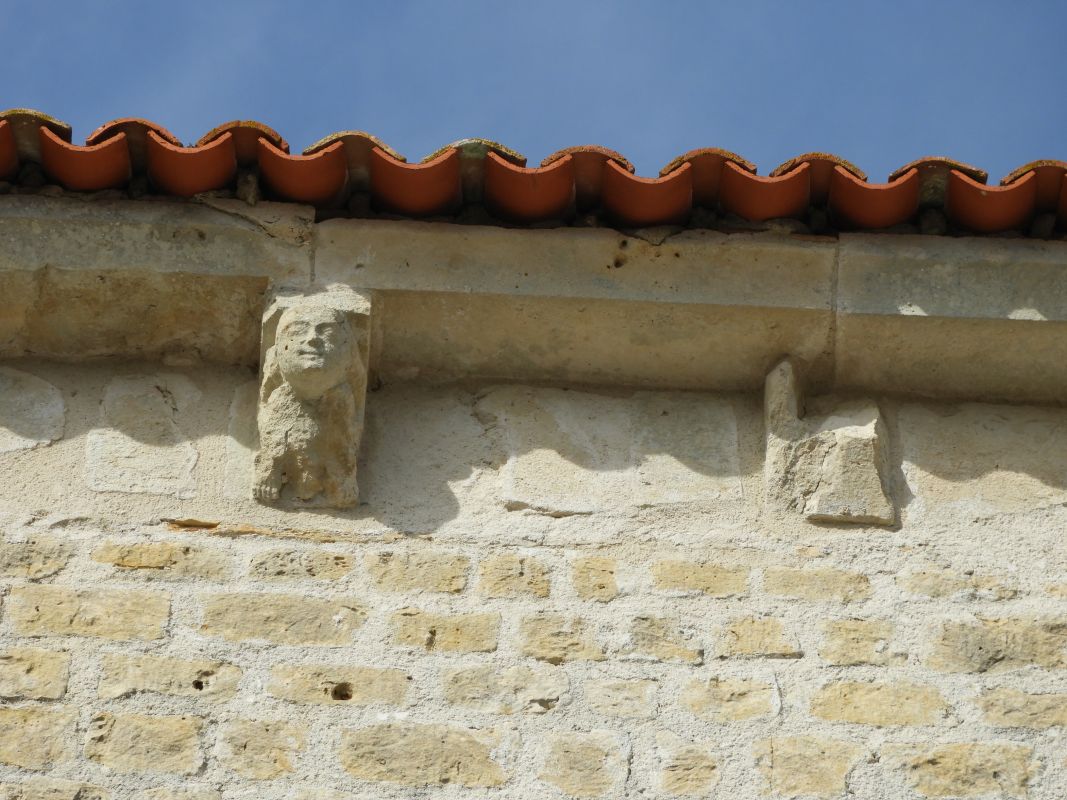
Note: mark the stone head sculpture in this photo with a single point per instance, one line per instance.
(312, 393)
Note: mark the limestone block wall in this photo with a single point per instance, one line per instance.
(544, 593)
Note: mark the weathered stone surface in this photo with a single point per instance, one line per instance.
(994, 769)
(284, 619)
(879, 703)
(29, 673)
(577, 453)
(556, 639)
(939, 584)
(287, 564)
(414, 571)
(38, 557)
(696, 576)
(858, 642)
(511, 575)
(816, 584)
(52, 789)
(103, 613)
(316, 356)
(685, 769)
(422, 755)
(758, 636)
(831, 467)
(165, 559)
(137, 743)
(996, 645)
(455, 633)
(623, 699)
(701, 310)
(261, 749)
(32, 411)
(976, 459)
(661, 640)
(594, 578)
(529, 690)
(725, 700)
(585, 764)
(806, 765)
(145, 280)
(123, 675)
(1011, 708)
(139, 446)
(36, 737)
(325, 684)
(183, 793)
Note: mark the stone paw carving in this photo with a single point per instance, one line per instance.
(831, 466)
(311, 400)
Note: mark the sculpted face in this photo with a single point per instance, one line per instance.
(315, 348)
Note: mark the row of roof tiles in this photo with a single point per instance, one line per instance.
(575, 179)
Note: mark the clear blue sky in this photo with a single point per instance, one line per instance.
(877, 83)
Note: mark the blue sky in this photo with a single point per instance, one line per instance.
(878, 83)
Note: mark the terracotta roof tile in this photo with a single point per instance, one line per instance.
(340, 169)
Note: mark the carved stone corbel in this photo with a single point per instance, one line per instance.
(831, 466)
(313, 387)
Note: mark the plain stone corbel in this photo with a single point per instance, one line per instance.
(831, 466)
(313, 384)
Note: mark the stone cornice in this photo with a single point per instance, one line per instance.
(965, 318)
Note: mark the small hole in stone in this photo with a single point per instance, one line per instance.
(198, 684)
(341, 691)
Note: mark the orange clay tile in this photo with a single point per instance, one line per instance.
(317, 179)
(641, 202)
(9, 154)
(758, 199)
(25, 123)
(989, 209)
(357, 146)
(707, 166)
(245, 135)
(933, 177)
(85, 169)
(822, 172)
(1049, 180)
(185, 171)
(416, 190)
(472, 153)
(528, 195)
(589, 161)
(858, 204)
(136, 131)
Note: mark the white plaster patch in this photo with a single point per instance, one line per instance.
(139, 446)
(579, 453)
(31, 411)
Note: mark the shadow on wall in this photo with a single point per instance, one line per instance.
(428, 451)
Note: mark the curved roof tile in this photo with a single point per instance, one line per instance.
(576, 180)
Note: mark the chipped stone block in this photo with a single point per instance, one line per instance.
(422, 755)
(591, 764)
(831, 467)
(528, 690)
(29, 673)
(32, 411)
(123, 675)
(138, 743)
(724, 700)
(139, 446)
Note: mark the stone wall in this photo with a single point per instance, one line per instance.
(543, 594)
